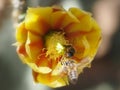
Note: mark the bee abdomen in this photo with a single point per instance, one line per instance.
(73, 76)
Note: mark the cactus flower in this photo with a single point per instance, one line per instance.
(41, 37)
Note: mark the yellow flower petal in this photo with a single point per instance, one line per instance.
(56, 19)
(79, 13)
(94, 38)
(36, 21)
(52, 81)
(21, 50)
(43, 70)
(84, 17)
(21, 33)
(61, 19)
(34, 45)
(43, 12)
(57, 70)
(35, 24)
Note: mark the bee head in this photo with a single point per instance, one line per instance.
(69, 51)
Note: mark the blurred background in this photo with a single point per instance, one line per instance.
(104, 73)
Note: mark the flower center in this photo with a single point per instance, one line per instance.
(54, 42)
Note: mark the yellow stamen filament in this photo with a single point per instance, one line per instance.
(54, 42)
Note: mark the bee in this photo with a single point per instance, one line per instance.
(70, 66)
(71, 70)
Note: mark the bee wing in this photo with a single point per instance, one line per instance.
(83, 63)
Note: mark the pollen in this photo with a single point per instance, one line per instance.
(59, 48)
(54, 42)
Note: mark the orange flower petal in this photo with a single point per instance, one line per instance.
(23, 54)
(34, 45)
(61, 19)
(56, 19)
